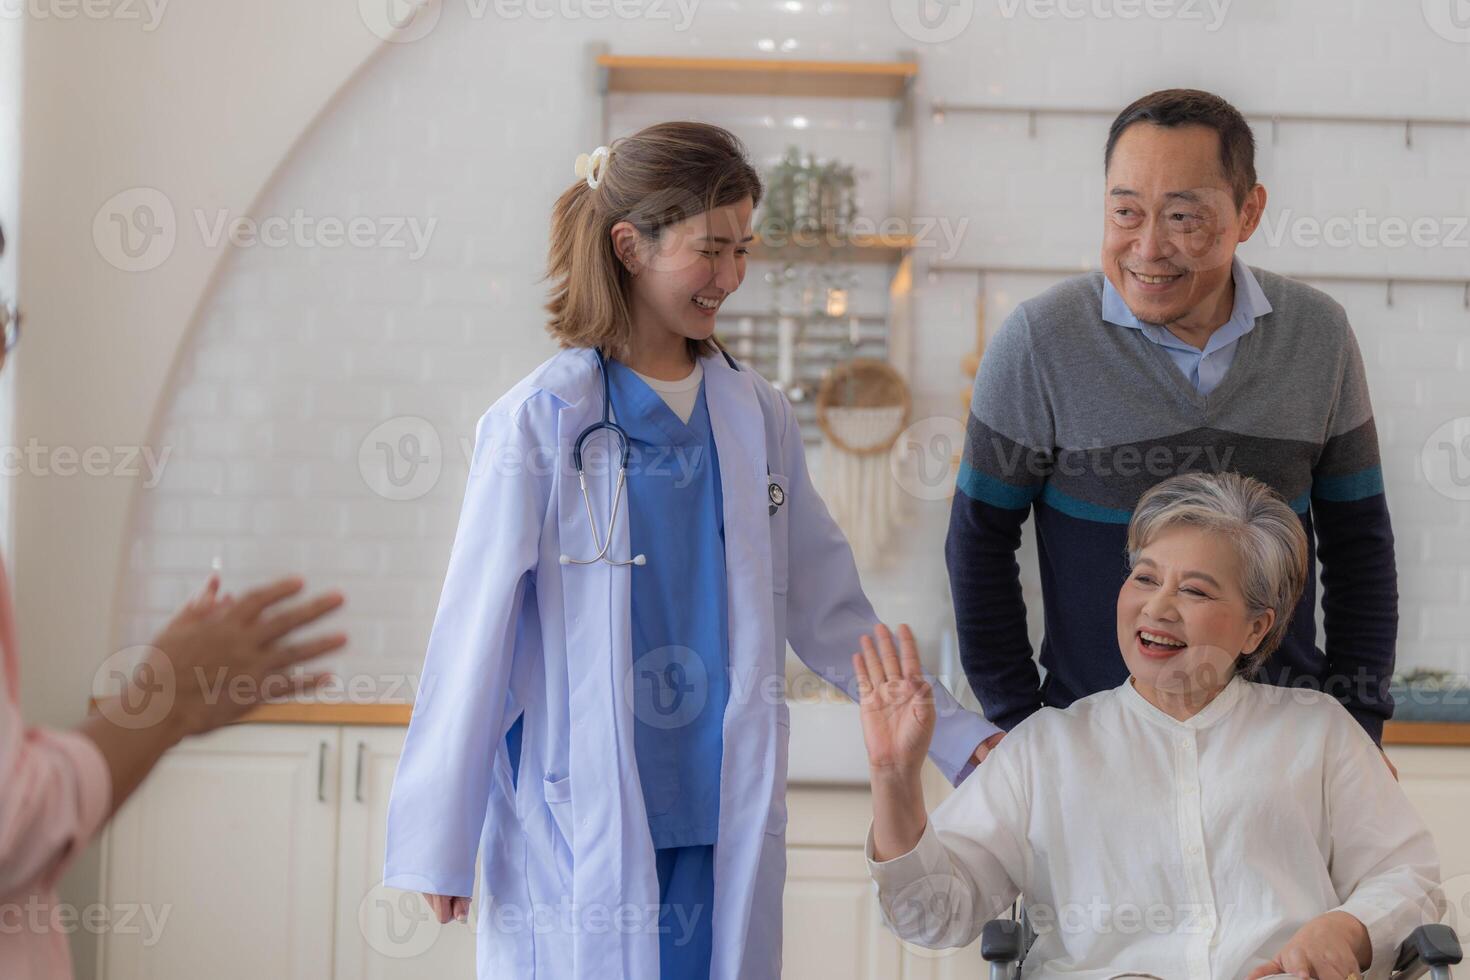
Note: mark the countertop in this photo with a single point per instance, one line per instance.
(1422, 716)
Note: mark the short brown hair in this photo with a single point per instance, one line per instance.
(655, 178)
(1191, 107)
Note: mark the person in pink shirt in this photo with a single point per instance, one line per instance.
(57, 788)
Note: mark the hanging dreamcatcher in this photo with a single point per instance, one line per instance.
(862, 408)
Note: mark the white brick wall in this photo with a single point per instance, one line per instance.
(301, 352)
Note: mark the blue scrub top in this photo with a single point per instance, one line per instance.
(679, 610)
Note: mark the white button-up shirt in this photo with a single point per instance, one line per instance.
(1190, 850)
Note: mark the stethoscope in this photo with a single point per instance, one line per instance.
(776, 494)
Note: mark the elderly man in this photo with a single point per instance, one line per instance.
(1177, 357)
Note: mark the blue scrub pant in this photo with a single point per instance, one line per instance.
(513, 747)
(686, 897)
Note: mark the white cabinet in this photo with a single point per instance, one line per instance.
(832, 921)
(1437, 781)
(230, 845)
(384, 933)
(257, 852)
(263, 847)
(832, 924)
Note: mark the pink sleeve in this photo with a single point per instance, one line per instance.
(57, 793)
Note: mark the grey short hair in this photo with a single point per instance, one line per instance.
(1267, 535)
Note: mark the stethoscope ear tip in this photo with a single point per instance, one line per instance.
(640, 560)
(566, 559)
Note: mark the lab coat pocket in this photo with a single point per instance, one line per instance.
(776, 819)
(559, 802)
(778, 508)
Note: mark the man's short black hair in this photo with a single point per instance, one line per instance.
(1191, 107)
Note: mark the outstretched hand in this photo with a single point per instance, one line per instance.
(897, 703)
(227, 655)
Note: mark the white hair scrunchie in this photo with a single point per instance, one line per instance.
(592, 166)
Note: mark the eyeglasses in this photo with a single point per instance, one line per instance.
(9, 325)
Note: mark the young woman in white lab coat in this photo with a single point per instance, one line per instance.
(601, 714)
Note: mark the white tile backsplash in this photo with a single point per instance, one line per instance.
(301, 352)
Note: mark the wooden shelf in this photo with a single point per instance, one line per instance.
(758, 76)
(817, 247)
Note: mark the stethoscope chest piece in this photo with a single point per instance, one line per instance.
(776, 495)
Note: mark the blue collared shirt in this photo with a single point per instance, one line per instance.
(1203, 368)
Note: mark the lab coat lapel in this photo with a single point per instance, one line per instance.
(738, 426)
(613, 857)
(751, 755)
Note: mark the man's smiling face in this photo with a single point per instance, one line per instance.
(1171, 224)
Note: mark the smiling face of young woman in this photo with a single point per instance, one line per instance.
(1183, 619)
(680, 281)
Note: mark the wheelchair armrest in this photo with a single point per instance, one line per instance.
(1433, 945)
(1000, 941)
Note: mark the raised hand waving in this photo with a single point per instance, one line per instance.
(897, 703)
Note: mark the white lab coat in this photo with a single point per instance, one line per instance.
(568, 882)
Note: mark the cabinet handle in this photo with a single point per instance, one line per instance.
(357, 789)
(321, 774)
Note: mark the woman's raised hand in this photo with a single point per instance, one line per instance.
(214, 661)
(227, 655)
(897, 703)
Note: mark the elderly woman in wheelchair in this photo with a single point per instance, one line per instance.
(1190, 824)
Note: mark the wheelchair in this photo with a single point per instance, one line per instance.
(1430, 949)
